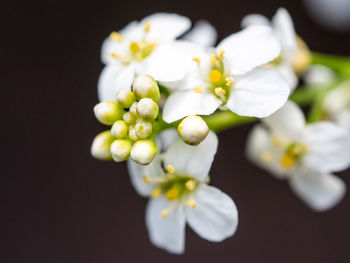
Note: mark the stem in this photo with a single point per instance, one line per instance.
(223, 120)
(340, 65)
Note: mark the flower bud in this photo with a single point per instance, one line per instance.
(193, 130)
(143, 128)
(107, 112)
(147, 109)
(129, 118)
(143, 151)
(133, 109)
(132, 133)
(146, 87)
(125, 98)
(120, 129)
(120, 150)
(100, 148)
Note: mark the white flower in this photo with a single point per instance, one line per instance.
(319, 74)
(304, 154)
(337, 105)
(229, 76)
(203, 33)
(126, 53)
(292, 56)
(181, 195)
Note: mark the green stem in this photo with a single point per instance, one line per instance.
(340, 65)
(223, 120)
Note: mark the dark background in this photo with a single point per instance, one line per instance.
(58, 204)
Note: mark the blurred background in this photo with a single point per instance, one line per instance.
(58, 204)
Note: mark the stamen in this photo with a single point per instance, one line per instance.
(147, 26)
(229, 81)
(267, 157)
(116, 36)
(221, 54)
(215, 75)
(172, 193)
(115, 55)
(276, 141)
(156, 192)
(190, 185)
(198, 89)
(170, 169)
(287, 161)
(165, 213)
(213, 60)
(147, 179)
(219, 91)
(151, 46)
(197, 60)
(134, 47)
(192, 203)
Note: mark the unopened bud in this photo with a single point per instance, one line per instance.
(143, 151)
(100, 148)
(193, 129)
(143, 128)
(129, 118)
(132, 133)
(120, 150)
(125, 98)
(120, 129)
(107, 112)
(147, 109)
(146, 87)
(133, 109)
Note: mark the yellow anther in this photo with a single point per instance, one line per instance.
(170, 169)
(229, 81)
(165, 213)
(213, 60)
(219, 91)
(190, 185)
(147, 179)
(172, 193)
(215, 75)
(197, 60)
(134, 47)
(221, 54)
(287, 161)
(192, 203)
(198, 89)
(266, 157)
(116, 36)
(115, 55)
(276, 141)
(147, 26)
(151, 46)
(156, 192)
(299, 149)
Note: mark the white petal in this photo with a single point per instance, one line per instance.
(284, 29)
(188, 102)
(319, 74)
(289, 75)
(328, 147)
(288, 122)
(254, 19)
(113, 78)
(250, 48)
(192, 161)
(167, 233)
(320, 191)
(167, 137)
(170, 62)
(215, 216)
(258, 93)
(203, 33)
(165, 27)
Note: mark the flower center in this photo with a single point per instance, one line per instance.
(293, 153)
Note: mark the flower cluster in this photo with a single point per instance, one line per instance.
(165, 91)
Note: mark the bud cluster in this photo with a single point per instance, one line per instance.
(131, 118)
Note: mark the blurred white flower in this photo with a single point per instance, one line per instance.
(203, 33)
(293, 57)
(319, 74)
(337, 105)
(229, 76)
(181, 195)
(304, 154)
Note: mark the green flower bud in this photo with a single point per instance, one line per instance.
(120, 150)
(147, 109)
(193, 130)
(129, 118)
(146, 87)
(133, 109)
(120, 129)
(125, 98)
(132, 133)
(100, 148)
(107, 112)
(143, 151)
(143, 128)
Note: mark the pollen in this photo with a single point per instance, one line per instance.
(197, 60)
(165, 213)
(198, 89)
(287, 161)
(116, 36)
(215, 75)
(266, 157)
(214, 61)
(219, 91)
(172, 193)
(115, 55)
(229, 81)
(276, 141)
(170, 169)
(156, 192)
(134, 47)
(221, 54)
(147, 179)
(151, 46)
(192, 203)
(190, 185)
(147, 26)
